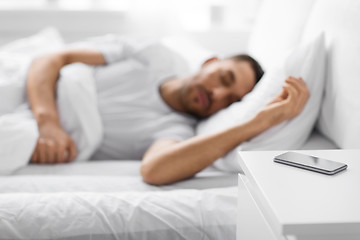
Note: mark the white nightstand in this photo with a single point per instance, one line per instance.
(277, 201)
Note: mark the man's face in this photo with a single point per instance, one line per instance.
(217, 84)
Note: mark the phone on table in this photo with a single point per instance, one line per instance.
(311, 163)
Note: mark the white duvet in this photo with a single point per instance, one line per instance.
(76, 101)
(77, 106)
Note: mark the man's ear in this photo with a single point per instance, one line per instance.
(209, 60)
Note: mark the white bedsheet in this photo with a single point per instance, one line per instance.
(81, 205)
(102, 176)
(178, 214)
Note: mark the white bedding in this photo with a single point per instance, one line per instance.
(114, 204)
(102, 176)
(76, 102)
(109, 200)
(179, 214)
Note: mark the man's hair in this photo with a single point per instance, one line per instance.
(259, 72)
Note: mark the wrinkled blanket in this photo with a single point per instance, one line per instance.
(162, 215)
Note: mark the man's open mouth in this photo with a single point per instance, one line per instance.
(203, 98)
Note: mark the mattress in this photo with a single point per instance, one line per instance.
(109, 200)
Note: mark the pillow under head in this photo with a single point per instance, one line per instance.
(306, 61)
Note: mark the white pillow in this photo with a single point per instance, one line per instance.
(307, 61)
(278, 30)
(339, 118)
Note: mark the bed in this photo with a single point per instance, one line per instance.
(93, 199)
(109, 200)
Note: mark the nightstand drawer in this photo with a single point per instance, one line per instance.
(281, 202)
(251, 223)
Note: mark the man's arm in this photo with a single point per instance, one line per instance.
(54, 145)
(167, 161)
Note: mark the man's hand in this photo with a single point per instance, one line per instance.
(53, 145)
(288, 104)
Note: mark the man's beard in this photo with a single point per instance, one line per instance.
(186, 102)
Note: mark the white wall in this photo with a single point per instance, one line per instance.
(220, 28)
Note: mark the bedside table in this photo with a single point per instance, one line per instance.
(279, 202)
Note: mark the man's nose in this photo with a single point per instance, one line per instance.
(219, 93)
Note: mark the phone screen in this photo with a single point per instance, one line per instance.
(310, 162)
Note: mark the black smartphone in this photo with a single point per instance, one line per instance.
(310, 163)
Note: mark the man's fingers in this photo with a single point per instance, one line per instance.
(300, 86)
(298, 95)
(56, 155)
(303, 88)
(46, 152)
(291, 92)
(51, 151)
(304, 92)
(298, 83)
(61, 154)
(38, 150)
(292, 98)
(54, 145)
(294, 83)
(282, 96)
(34, 157)
(42, 151)
(284, 93)
(72, 151)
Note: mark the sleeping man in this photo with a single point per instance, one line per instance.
(148, 110)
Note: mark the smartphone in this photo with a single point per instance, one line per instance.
(310, 163)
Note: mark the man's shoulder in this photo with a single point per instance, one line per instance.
(158, 56)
